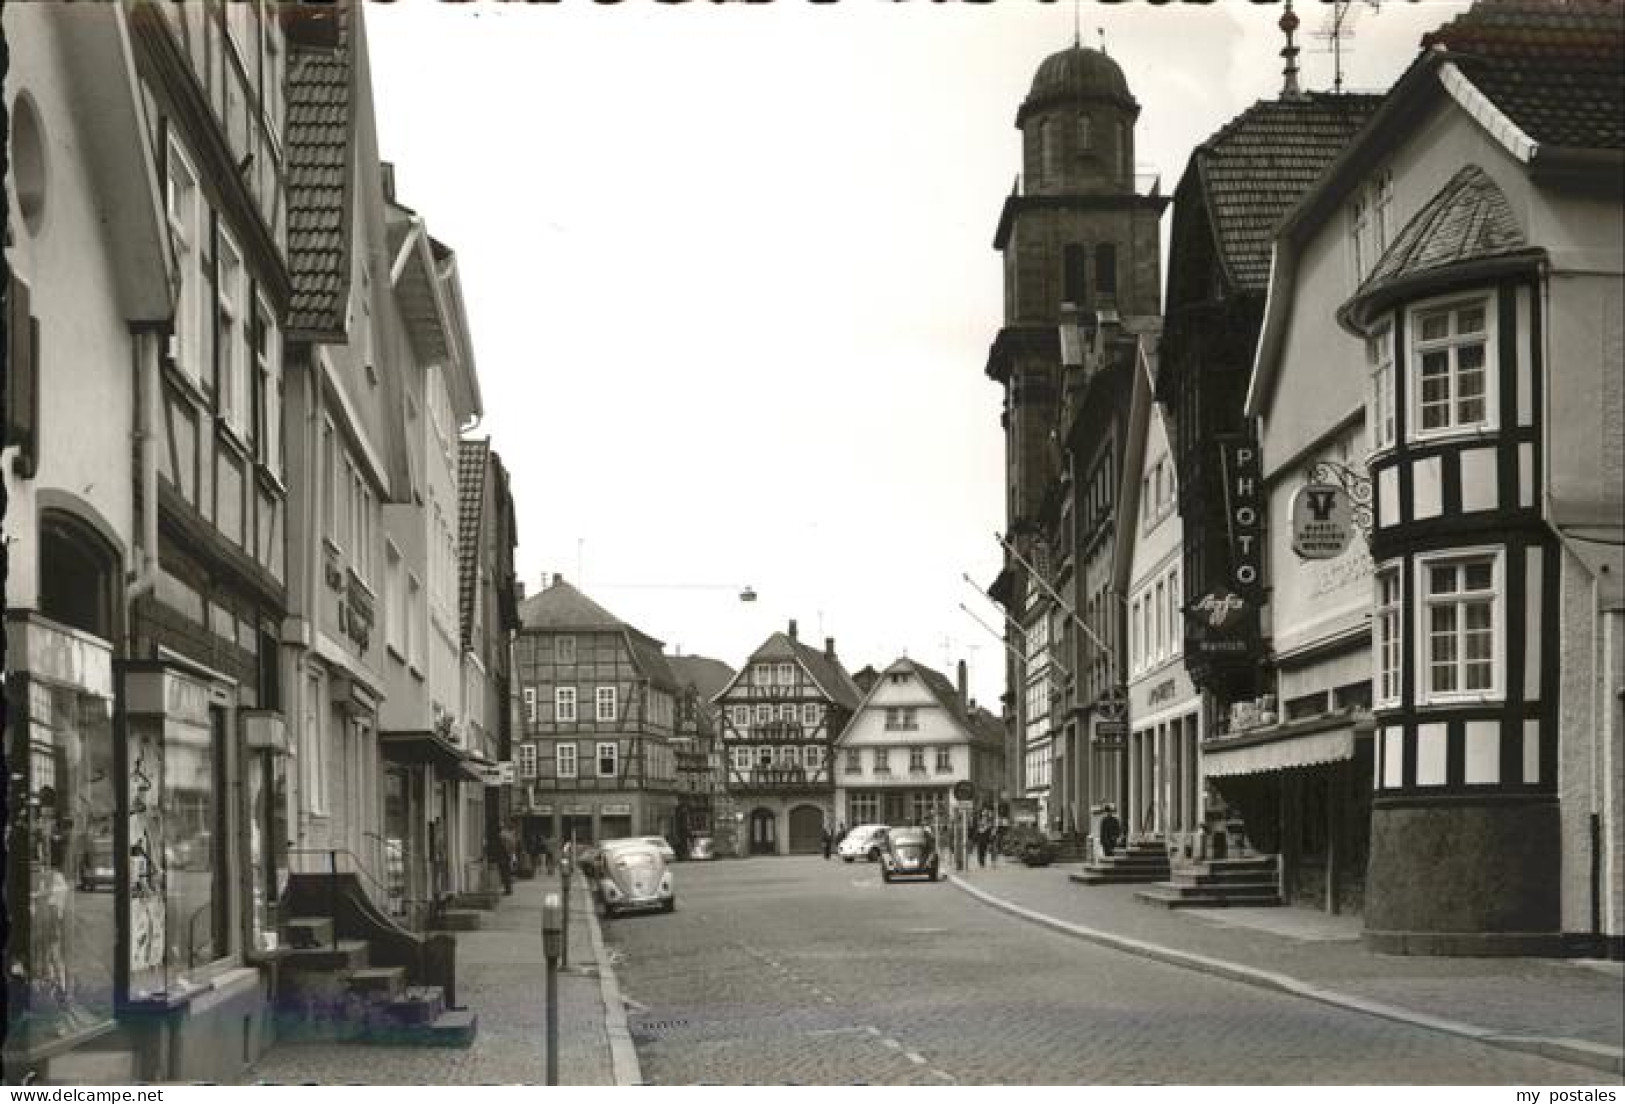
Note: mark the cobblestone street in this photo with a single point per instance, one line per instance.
(794, 971)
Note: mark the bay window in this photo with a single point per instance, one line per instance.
(1381, 418)
(1461, 609)
(1388, 644)
(1450, 347)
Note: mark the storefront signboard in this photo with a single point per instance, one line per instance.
(1322, 521)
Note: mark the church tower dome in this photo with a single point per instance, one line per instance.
(1077, 126)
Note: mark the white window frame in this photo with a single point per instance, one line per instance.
(854, 761)
(739, 758)
(1425, 602)
(605, 704)
(566, 761)
(183, 208)
(530, 704)
(1176, 636)
(1451, 344)
(527, 761)
(232, 302)
(741, 716)
(785, 674)
(267, 380)
(764, 714)
(916, 759)
(809, 714)
(761, 675)
(882, 763)
(1359, 224)
(787, 713)
(1383, 413)
(564, 705)
(1387, 636)
(1382, 203)
(613, 757)
(945, 760)
(564, 650)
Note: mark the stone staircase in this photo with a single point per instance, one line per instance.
(329, 990)
(1219, 883)
(1072, 848)
(1146, 862)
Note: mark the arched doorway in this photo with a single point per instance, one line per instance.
(764, 835)
(806, 829)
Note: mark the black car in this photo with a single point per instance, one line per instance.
(910, 853)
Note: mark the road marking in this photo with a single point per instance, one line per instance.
(893, 1043)
(873, 1030)
(924, 931)
(840, 1031)
(915, 1058)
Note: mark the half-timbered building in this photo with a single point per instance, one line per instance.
(1488, 326)
(781, 715)
(702, 807)
(597, 714)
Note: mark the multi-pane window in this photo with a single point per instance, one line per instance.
(881, 765)
(564, 650)
(809, 714)
(787, 713)
(1359, 245)
(564, 703)
(740, 758)
(184, 211)
(1382, 208)
(787, 674)
(1386, 627)
(762, 674)
(1451, 367)
(916, 759)
(1380, 356)
(741, 715)
(1459, 610)
(609, 757)
(604, 698)
(945, 760)
(854, 761)
(527, 760)
(530, 704)
(267, 387)
(901, 718)
(567, 760)
(764, 714)
(813, 756)
(862, 808)
(330, 482)
(231, 322)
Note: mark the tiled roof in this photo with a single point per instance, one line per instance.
(708, 676)
(318, 159)
(1553, 67)
(1257, 167)
(561, 606)
(650, 657)
(471, 459)
(827, 672)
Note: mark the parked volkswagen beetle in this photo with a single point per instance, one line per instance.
(632, 875)
(910, 853)
(866, 841)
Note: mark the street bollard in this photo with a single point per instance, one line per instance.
(553, 915)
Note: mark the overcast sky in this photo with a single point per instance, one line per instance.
(730, 277)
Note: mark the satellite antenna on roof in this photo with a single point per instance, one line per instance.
(1335, 28)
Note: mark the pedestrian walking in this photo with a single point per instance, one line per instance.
(829, 842)
(501, 856)
(980, 838)
(1111, 830)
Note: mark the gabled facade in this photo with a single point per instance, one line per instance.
(781, 715)
(1487, 328)
(1236, 187)
(597, 715)
(914, 736)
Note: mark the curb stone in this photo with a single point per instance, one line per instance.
(1574, 1051)
(623, 1056)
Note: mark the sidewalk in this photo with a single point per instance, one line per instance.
(1564, 1009)
(501, 977)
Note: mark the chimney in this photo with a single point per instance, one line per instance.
(964, 692)
(519, 590)
(792, 628)
(557, 579)
(829, 647)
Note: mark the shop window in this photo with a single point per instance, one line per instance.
(61, 862)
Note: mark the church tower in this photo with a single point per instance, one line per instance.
(1073, 231)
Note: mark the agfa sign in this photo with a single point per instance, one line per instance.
(1322, 521)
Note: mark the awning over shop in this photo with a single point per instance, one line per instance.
(1286, 753)
(419, 747)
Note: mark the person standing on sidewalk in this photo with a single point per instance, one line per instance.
(1111, 830)
(829, 842)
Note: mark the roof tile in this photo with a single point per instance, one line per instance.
(318, 162)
